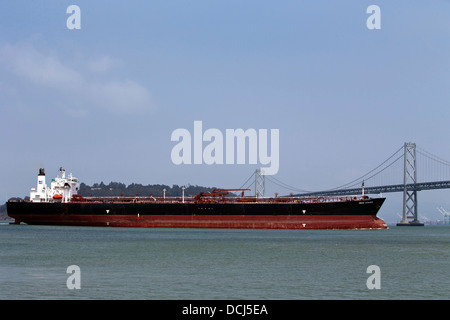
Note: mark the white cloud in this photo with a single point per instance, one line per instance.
(42, 69)
(101, 64)
(120, 96)
(47, 71)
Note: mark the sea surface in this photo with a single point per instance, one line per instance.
(187, 264)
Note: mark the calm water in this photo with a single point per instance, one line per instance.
(123, 263)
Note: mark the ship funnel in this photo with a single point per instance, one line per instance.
(41, 186)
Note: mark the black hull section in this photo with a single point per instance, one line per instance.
(317, 215)
(366, 207)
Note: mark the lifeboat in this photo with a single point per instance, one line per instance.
(57, 197)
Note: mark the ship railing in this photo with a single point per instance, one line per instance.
(248, 199)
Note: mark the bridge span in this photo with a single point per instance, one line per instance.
(381, 189)
(399, 173)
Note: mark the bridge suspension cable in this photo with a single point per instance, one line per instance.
(365, 177)
(432, 156)
(250, 183)
(430, 168)
(394, 158)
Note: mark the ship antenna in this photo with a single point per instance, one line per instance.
(182, 188)
(362, 187)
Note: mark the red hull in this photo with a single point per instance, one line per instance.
(213, 221)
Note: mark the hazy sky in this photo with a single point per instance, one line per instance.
(103, 101)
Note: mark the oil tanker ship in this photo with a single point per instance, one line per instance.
(60, 204)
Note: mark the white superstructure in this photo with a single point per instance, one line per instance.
(62, 188)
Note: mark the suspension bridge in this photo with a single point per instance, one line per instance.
(408, 170)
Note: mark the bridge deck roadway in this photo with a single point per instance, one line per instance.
(382, 189)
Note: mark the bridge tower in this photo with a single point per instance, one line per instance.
(260, 183)
(410, 215)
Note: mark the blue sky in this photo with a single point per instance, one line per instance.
(103, 101)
